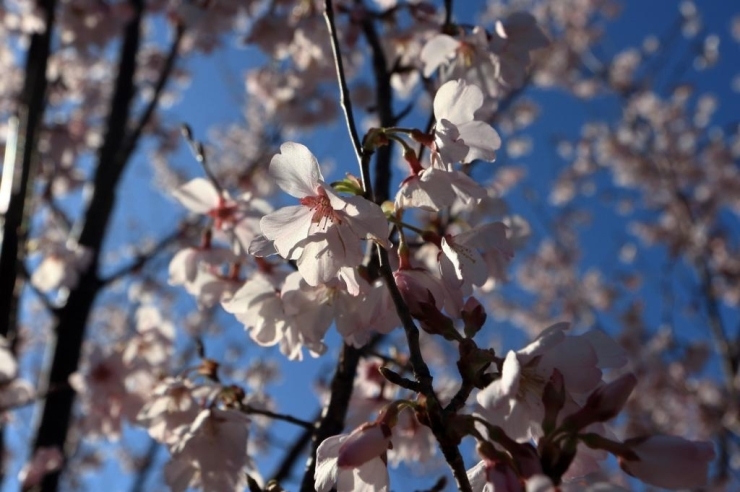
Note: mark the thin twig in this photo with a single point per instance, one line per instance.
(145, 257)
(278, 416)
(343, 90)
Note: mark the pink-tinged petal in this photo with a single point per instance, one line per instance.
(365, 443)
(8, 364)
(318, 262)
(549, 337)
(367, 220)
(477, 476)
(325, 475)
(486, 237)
(499, 392)
(576, 360)
(198, 195)
(457, 101)
(425, 193)
(296, 170)
(287, 227)
(437, 51)
(468, 262)
(465, 188)
(609, 352)
(482, 140)
(261, 246)
(450, 146)
(371, 477)
(607, 401)
(670, 462)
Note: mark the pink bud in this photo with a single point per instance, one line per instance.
(670, 462)
(607, 401)
(604, 403)
(365, 443)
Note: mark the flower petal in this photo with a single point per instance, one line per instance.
(287, 227)
(296, 170)
(457, 101)
(197, 195)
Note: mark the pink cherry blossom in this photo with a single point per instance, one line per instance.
(323, 233)
(236, 219)
(436, 187)
(211, 454)
(515, 400)
(472, 257)
(458, 136)
(171, 406)
(353, 462)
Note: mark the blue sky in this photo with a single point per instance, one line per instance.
(213, 98)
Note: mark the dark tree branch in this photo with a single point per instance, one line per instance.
(146, 467)
(19, 167)
(72, 318)
(291, 456)
(332, 418)
(384, 107)
(278, 416)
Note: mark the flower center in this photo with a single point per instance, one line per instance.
(321, 207)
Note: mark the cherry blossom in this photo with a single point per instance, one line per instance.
(211, 454)
(323, 233)
(458, 136)
(515, 400)
(353, 461)
(237, 218)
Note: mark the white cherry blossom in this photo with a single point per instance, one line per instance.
(323, 233)
(458, 136)
(353, 462)
(211, 454)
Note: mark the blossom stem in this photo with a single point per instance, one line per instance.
(437, 417)
(278, 416)
(343, 90)
(407, 226)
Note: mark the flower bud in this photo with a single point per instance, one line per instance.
(604, 403)
(365, 443)
(474, 316)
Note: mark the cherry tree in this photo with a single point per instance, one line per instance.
(371, 216)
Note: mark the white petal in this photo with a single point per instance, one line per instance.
(483, 141)
(477, 476)
(367, 219)
(457, 101)
(609, 352)
(549, 337)
(296, 170)
(287, 227)
(198, 195)
(371, 477)
(468, 262)
(499, 392)
(437, 51)
(325, 475)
